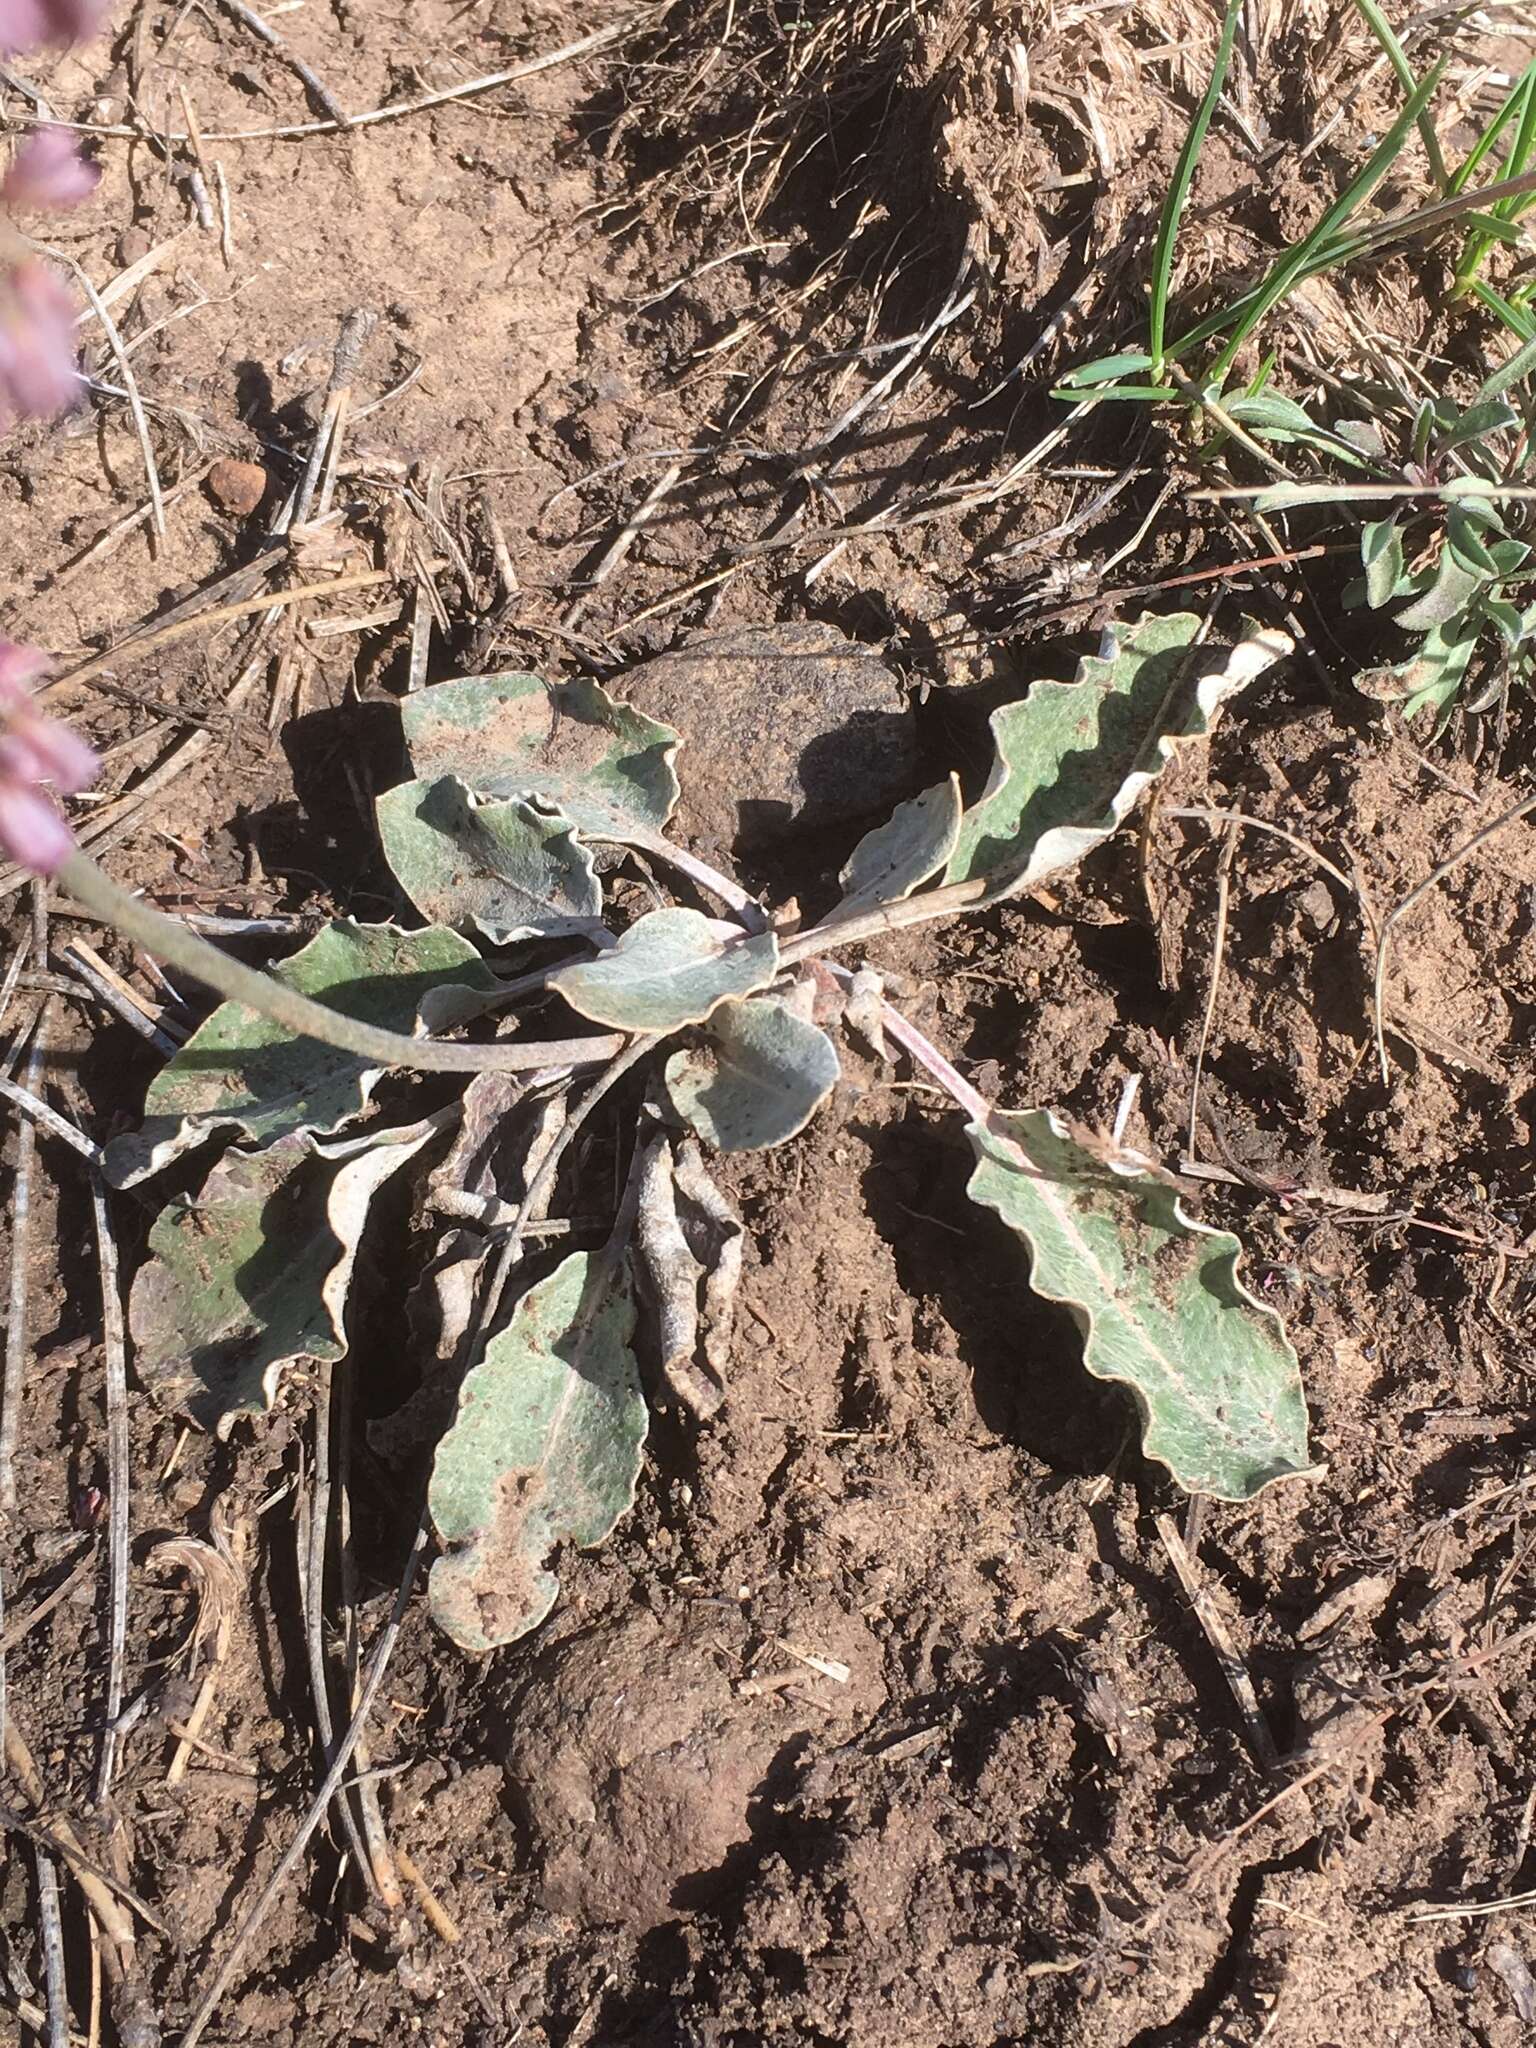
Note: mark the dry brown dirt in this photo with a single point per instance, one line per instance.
(1030, 1811)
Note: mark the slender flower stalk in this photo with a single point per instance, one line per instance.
(175, 943)
(36, 749)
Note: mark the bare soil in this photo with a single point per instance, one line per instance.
(884, 1717)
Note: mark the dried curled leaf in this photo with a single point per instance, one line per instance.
(1158, 1300)
(241, 1071)
(545, 1449)
(688, 1240)
(1072, 758)
(512, 871)
(671, 968)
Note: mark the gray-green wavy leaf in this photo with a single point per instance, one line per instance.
(915, 842)
(1072, 758)
(758, 1075)
(545, 1449)
(252, 1272)
(512, 871)
(1158, 1301)
(239, 1070)
(606, 767)
(671, 968)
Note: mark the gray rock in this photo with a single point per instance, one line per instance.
(784, 727)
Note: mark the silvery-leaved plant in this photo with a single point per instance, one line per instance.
(508, 840)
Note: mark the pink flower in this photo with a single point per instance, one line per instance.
(37, 345)
(27, 24)
(48, 171)
(35, 749)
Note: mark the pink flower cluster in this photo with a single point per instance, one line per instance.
(37, 379)
(35, 749)
(37, 317)
(29, 24)
(49, 172)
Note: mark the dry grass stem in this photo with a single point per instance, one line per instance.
(50, 1931)
(334, 112)
(125, 1002)
(119, 1477)
(377, 1666)
(1217, 1634)
(312, 1530)
(21, 1247)
(16, 1629)
(130, 386)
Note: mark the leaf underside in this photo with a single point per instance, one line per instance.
(1158, 1301)
(671, 968)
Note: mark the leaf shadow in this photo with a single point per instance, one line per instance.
(1024, 1354)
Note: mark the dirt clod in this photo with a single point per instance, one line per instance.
(786, 726)
(637, 1758)
(237, 487)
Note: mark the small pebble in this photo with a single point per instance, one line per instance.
(237, 487)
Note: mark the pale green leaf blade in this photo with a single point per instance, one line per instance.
(914, 843)
(759, 1075)
(1381, 553)
(671, 968)
(1072, 758)
(1158, 1301)
(1454, 583)
(545, 1449)
(252, 1273)
(1430, 678)
(240, 1070)
(607, 768)
(1293, 497)
(512, 871)
(1483, 417)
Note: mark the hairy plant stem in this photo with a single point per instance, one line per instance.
(947, 901)
(922, 1049)
(170, 940)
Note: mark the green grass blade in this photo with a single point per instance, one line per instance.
(1183, 178)
(1397, 57)
(1481, 237)
(1519, 92)
(1515, 318)
(1304, 257)
(1147, 394)
(1515, 371)
(1519, 157)
(1103, 370)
